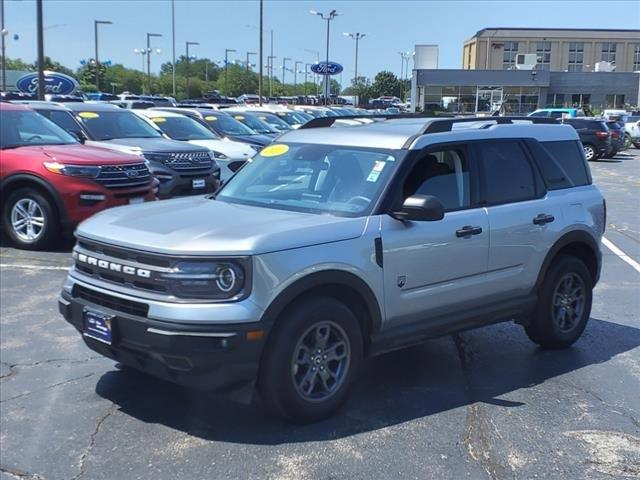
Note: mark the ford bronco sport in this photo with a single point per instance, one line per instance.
(339, 243)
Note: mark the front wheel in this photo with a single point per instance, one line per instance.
(590, 152)
(30, 220)
(310, 360)
(564, 304)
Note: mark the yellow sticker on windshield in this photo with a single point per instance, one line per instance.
(88, 115)
(158, 119)
(239, 117)
(210, 118)
(274, 150)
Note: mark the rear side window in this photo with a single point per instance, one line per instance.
(564, 166)
(507, 174)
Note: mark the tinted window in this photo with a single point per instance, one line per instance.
(508, 176)
(564, 166)
(116, 124)
(183, 128)
(540, 114)
(20, 128)
(443, 174)
(62, 119)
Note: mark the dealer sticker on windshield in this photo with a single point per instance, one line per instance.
(376, 171)
(274, 150)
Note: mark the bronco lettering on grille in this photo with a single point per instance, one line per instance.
(114, 267)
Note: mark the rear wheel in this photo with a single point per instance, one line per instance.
(636, 144)
(564, 304)
(590, 152)
(311, 359)
(30, 220)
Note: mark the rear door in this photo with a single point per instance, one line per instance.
(519, 214)
(436, 267)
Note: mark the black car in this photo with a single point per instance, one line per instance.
(618, 137)
(594, 135)
(224, 125)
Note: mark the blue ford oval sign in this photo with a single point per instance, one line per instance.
(54, 83)
(324, 68)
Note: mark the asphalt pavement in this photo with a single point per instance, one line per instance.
(483, 404)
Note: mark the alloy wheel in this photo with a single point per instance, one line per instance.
(568, 302)
(589, 152)
(321, 361)
(27, 220)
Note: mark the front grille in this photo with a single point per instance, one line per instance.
(114, 303)
(184, 161)
(124, 176)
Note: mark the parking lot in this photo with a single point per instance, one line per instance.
(483, 404)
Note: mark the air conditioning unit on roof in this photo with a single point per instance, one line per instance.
(526, 61)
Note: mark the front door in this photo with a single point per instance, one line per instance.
(432, 268)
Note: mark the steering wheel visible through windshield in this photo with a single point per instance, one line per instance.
(330, 179)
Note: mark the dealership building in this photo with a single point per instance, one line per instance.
(518, 70)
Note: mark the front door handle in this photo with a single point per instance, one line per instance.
(467, 231)
(543, 219)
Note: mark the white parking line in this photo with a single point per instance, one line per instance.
(32, 267)
(623, 256)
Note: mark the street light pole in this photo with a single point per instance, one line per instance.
(149, 51)
(226, 68)
(188, 44)
(95, 32)
(284, 69)
(356, 36)
(248, 70)
(173, 46)
(261, 59)
(40, 50)
(330, 16)
(3, 34)
(271, 58)
(295, 77)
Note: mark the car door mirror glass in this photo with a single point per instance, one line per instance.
(420, 208)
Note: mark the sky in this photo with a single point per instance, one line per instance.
(390, 27)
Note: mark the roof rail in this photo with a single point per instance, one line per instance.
(328, 121)
(446, 124)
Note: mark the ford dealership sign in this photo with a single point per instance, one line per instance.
(324, 68)
(54, 83)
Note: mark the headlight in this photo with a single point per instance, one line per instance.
(215, 280)
(73, 170)
(217, 155)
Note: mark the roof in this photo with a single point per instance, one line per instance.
(41, 104)
(158, 113)
(11, 106)
(395, 134)
(92, 107)
(524, 29)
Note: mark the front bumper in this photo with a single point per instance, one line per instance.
(175, 183)
(213, 356)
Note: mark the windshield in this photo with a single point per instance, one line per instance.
(183, 128)
(227, 125)
(116, 124)
(20, 128)
(329, 179)
(255, 123)
(291, 118)
(274, 121)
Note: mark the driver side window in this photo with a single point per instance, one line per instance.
(443, 174)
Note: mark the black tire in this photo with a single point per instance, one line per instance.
(277, 383)
(546, 327)
(637, 145)
(49, 233)
(590, 152)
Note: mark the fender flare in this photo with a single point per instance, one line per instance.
(326, 278)
(576, 236)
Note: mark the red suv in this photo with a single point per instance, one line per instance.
(49, 182)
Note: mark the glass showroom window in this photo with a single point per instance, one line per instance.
(555, 100)
(609, 52)
(580, 99)
(509, 55)
(636, 58)
(543, 52)
(576, 56)
(614, 100)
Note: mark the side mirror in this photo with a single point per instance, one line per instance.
(420, 208)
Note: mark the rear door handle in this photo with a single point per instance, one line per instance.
(543, 219)
(467, 231)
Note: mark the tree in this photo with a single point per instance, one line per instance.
(17, 64)
(203, 68)
(54, 66)
(385, 83)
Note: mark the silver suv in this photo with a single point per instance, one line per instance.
(336, 244)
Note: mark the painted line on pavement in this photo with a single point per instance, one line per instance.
(623, 256)
(32, 267)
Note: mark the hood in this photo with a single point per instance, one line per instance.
(261, 140)
(139, 145)
(203, 226)
(233, 150)
(73, 154)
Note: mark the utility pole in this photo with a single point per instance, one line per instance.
(3, 34)
(356, 36)
(226, 68)
(40, 50)
(330, 16)
(97, 62)
(261, 58)
(149, 51)
(188, 44)
(173, 46)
